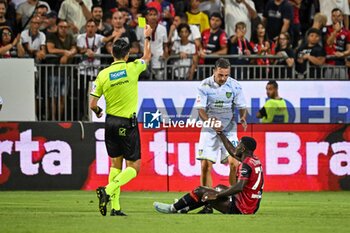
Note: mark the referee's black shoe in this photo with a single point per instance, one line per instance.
(206, 210)
(103, 200)
(117, 213)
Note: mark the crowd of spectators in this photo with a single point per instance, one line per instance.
(298, 35)
(195, 30)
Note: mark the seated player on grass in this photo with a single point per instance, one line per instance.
(242, 198)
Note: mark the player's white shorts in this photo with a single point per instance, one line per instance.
(210, 145)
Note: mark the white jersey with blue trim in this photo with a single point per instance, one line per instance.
(220, 101)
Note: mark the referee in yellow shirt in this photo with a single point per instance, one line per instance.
(275, 109)
(118, 84)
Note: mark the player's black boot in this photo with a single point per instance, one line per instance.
(103, 200)
(206, 210)
(117, 213)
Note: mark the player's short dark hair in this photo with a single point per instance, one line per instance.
(222, 63)
(240, 24)
(96, 6)
(314, 30)
(273, 83)
(183, 25)
(91, 20)
(336, 9)
(216, 15)
(249, 143)
(61, 20)
(121, 48)
(5, 3)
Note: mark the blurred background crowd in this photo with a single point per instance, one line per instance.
(303, 38)
(299, 31)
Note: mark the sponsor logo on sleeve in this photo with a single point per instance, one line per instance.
(93, 88)
(244, 171)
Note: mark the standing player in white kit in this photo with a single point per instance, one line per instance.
(218, 96)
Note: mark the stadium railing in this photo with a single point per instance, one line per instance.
(249, 71)
(62, 90)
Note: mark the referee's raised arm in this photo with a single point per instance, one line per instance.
(147, 44)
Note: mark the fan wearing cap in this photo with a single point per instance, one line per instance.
(242, 198)
(41, 10)
(26, 10)
(50, 23)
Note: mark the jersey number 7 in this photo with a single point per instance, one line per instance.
(258, 170)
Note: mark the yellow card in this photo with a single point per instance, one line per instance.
(142, 22)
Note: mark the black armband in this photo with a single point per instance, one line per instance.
(245, 171)
(99, 110)
(81, 3)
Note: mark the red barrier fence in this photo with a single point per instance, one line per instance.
(56, 156)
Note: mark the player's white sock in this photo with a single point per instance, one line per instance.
(172, 209)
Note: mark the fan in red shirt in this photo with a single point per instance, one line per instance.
(338, 39)
(242, 198)
(214, 40)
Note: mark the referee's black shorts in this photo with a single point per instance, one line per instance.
(122, 139)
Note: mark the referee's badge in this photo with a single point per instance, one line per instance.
(228, 95)
(122, 132)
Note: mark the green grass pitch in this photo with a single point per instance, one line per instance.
(76, 211)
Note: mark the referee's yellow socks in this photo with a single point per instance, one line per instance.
(113, 173)
(123, 178)
(115, 204)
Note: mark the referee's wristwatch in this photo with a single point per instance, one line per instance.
(148, 38)
(81, 3)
